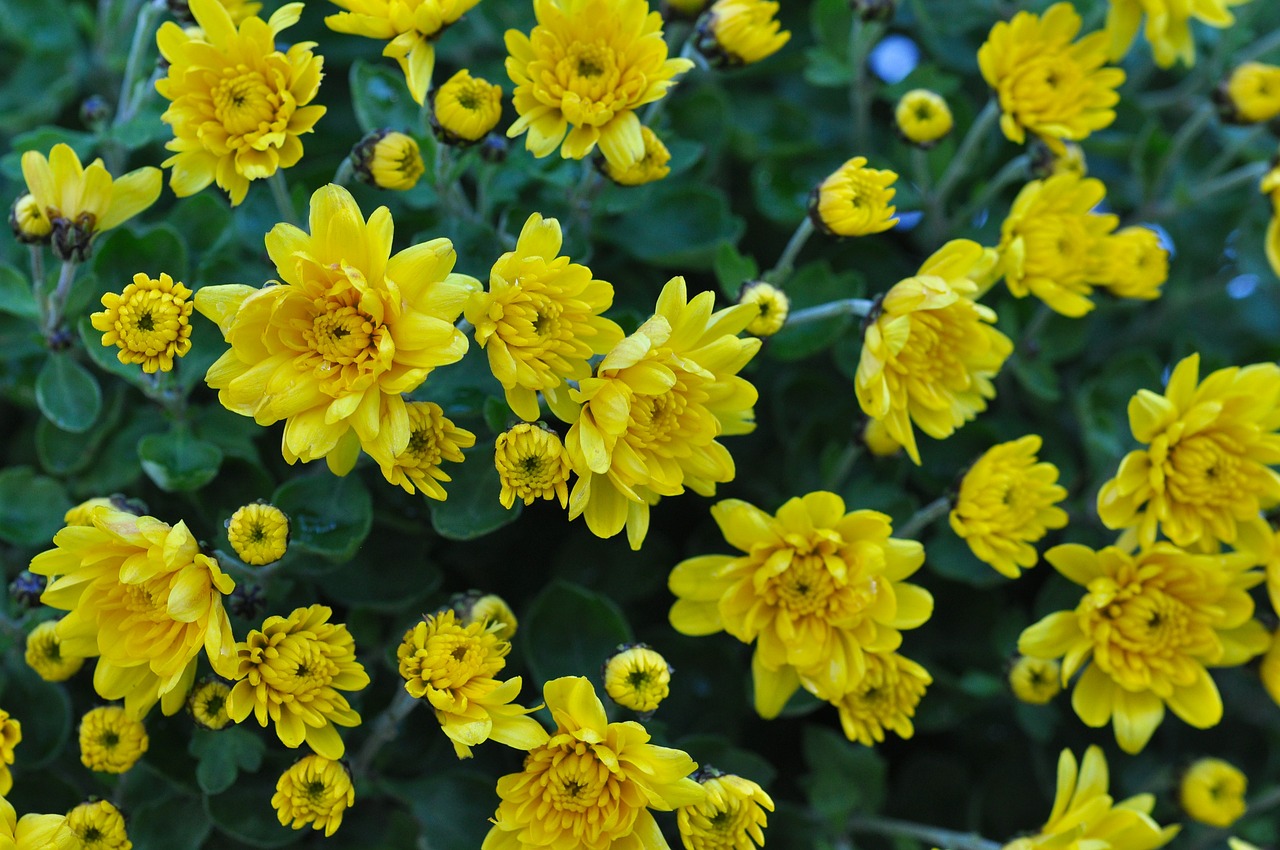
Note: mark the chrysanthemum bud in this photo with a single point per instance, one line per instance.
(1135, 264)
(532, 464)
(150, 322)
(28, 222)
(388, 160)
(637, 677)
(854, 200)
(82, 514)
(1046, 162)
(465, 109)
(487, 609)
(648, 168)
(97, 824)
(259, 534)
(923, 117)
(740, 32)
(731, 816)
(110, 740)
(95, 111)
(773, 304)
(874, 10)
(26, 589)
(1212, 792)
(45, 654)
(1035, 680)
(207, 704)
(1251, 95)
(878, 440)
(314, 791)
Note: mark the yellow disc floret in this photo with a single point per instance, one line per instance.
(149, 321)
(638, 678)
(316, 791)
(466, 108)
(258, 533)
(532, 464)
(110, 740)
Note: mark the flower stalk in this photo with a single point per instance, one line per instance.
(924, 517)
(284, 203)
(787, 262)
(831, 310)
(863, 35)
(384, 731)
(963, 161)
(52, 308)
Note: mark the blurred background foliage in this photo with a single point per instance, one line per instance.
(747, 147)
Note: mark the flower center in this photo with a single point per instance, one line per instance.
(930, 359)
(243, 102)
(587, 78)
(341, 336)
(148, 320)
(299, 668)
(577, 780)
(1209, 469)
(452, 660)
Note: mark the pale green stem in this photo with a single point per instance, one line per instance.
(831, 310)
(839, 470)
(284, 202)
(1242, 176)
(58, 300)
(787, 262)
(963, 160)
(1231, 151)
(1035, 326)
(346, 171)
(932, 835)
(144, 35)
(37, 272)
(384, 731)
(1181, 141)
(1259, 48)
(241, 571)
(919, 521)
(862, 37)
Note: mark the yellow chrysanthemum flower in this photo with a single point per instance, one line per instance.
(489, 610)
(410, 28)
(82, 514)
(144, 597)
(1150, 623)
(316, 791)
(1212, 792)
(878, 440)
(649, 168)
(1046, 83)
(772, 305)
(1135, 264)
(291, 672)
(1168, 28)
(592, 784)
(817, 590)
(1035, 680)
(433, 438)
(1207, 463)
(388, 160)
(1252, 93)
(96, 825)
(80, 202)
(638, 678)
(923, 117)
(1071, 159)
(149, 321)
(258, 533)
(732, 817)
(237, 104)
(452, 667)
(1052, 242)
(207, 704)
(332, 348)
(10, 737)
(28, 222)
(532, 464)
(46, 655)
(589, 64)
(930, 352)
(541, 320)
(237, 9)
(741, 32)
(110, 740)
(465, 109)
(1084, 814)
(883, 699)
(854, 200)
(650, 418)
(1008, 501)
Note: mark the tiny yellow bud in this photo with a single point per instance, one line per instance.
(1035, 680)
(637, 677)
(486, 609)
(45, 655)
(648, 168)
(465, 109)
(740, 32)
(532, 464)
(923, 117)
(878, 440)
(1251, 94)
(773, 303)
(30, 225)
(207, 704)
(1212, 792)
(259, 534)
(854, 200)
(388, 160)
(110, 740)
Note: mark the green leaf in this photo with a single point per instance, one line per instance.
(179, 461)
(733, 270)
(179, 823)
(244, 812)
(67, 393)
(687, 232)
(43, 709)
(16, 297)
(105, 356)
(328, 516)
(31, 507)
(406, 576)
(570, 631)
(844, 778)
(949, 556)
(63, 453)
(121, 254)
(381, 98)
(720, 753)
(826, 69)
(453, 807)
(223, 755)
(472, 509)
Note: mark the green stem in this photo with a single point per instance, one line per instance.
(1232, 150)
(830, 310)
(384, 731)
(37, 272)
(1242, 176)
(963, 160)
(862, 37)
(1259, 48)
(1181, 141)
(839, 471)
(346, 171)
(284, 202)
(920, 520)
(787, 262)
(933, 835)
(1035, 326)
(144, 35)
(57, 302)
(1014, 170)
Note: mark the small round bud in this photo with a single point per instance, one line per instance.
(740, 32)
(28, 222)
(854, 200)
(1035, 680)
(923, 118)
(388, 160)
(110, 740)
(207, 704)
(638, 678)
(1046, 163)
(648, 168)
(26, 589)
(773, 303)
(1212, 792)
(1251, 95)
(532, 464)
(878, 440)
(487, 608)
(259, 534)
(45, 655)
(465, 109)
(95, 111)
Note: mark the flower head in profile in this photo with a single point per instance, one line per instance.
(1035, 680)
(923, 117)
(46, 655)
(816, 589)
(884, 699)
(290, 673)
(28, 222)
(149, 322)
(582, 73)
(1046, 162)
(80, 202)
(1085, 815)
(143, 596)
(638, 678)
(110, 740)
(930, 352)
(258, 533)
(454, 667)
(771, 302)
(1206, 464)
(207, 704)
(10, 737)
(387, 159)
(95, 825)
(741, 32)
(331, 348)
(592, 783)
(1046, 82)
(651, 417)
(316, 791)
(465, 109)
(237, 104)
(82, 514)
(1135, 264)
(1008, 501)
(854, 200)
(1212, 792)
(1144, 633)
(1251, 95)
(649, 168)
(1168, 26)
(532, 464)
(732, 817)
(410, 28)
(541, 320)
(433, 438)
(487, 609)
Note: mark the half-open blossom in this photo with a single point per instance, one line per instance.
(732, 817)
(315, 791)
(1168, 26)
(885, 699)
(149, 322)
(854, 200)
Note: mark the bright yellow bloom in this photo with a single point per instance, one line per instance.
(1052, 242)
(1035, 680)
(589, 64)
(592, 784)
(930, 353)
(1057, 89)
(649, 168)
(1252, 93)
(82, 514)
(258, 533)
(1008, 501)
(817, 590)
(487, 609)
(410, 28)
(432, 438)
(28, 222)
(1206, 465)
(110, 740)
(46, 656)
(146, 599)
(207, 704)
(238, 9)
(854, 200)
(1212, 792)
(10, 737)
(884, 699)
(532, 464)
(1135, 264)
(331, 349)
(638, 678)
(291, 672)
(238, 105)
(80, 202)
(96, 825)
(772, 305)
(1168, 28)
(452, 667)
(466, 108)
(388, 160)
(741, 32)
(316, 791)
(651, 416)
(732, 817)
(923, 117)
(541, 320)
(1084, 815)
(1150, 623)
(149, 321)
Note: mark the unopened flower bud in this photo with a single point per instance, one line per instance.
(388, 160)
(28, 222)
